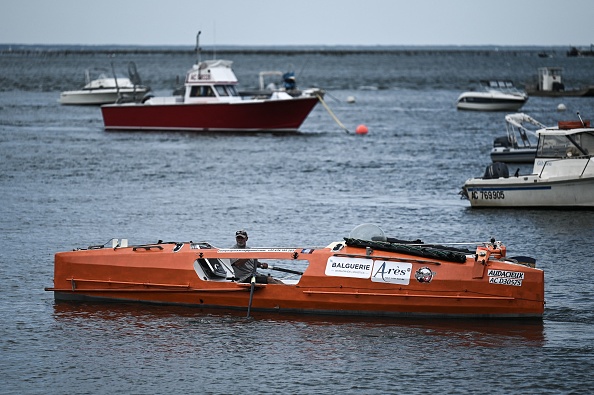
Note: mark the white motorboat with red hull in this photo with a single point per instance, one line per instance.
(280, 115)
(211, 102)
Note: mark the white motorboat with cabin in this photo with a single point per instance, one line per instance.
(103, 89)
(495, 95)
(519, 144)
(562, 175)
(550, 84)
(210, 102)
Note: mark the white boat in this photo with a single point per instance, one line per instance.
(103, 89)
(494, 96)
(550, 84)
(210, 102)
(562, 175)
(519, 144)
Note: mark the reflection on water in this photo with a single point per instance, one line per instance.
(454, 332)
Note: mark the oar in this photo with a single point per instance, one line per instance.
(331, 113)
(252, 288)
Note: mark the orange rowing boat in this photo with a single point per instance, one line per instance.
(372, 277)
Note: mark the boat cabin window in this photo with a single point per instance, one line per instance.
(212, 268)
(201, 91)
(221, 90)
(557, 146)
(232, 90)
(553, 146)
(586, 142)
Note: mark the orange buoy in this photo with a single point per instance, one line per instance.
(361, 129)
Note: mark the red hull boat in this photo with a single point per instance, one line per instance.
(282, 115)
(210, 101)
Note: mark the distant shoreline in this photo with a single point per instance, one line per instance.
(65, 50)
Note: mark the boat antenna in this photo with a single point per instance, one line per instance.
(214, 52)
(581, 120)
(197, 49)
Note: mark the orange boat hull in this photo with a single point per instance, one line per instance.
(339, 279)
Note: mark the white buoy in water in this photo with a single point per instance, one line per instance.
(561, 107)
(351, 99)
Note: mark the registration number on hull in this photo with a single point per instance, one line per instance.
(487, 195)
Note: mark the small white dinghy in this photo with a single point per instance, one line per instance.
(103, 89)
(519, 144)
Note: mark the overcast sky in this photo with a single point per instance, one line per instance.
(298, 22)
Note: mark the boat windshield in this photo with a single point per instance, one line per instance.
(586, 142)
(226, 90)
(501, 84)
(561, 146)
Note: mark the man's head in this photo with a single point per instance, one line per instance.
(241, 237)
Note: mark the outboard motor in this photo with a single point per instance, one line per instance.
(289, 81)
(502, 141)
(496, 170)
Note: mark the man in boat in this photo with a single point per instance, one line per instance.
(244, 268)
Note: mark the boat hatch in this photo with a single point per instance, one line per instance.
(211, 269)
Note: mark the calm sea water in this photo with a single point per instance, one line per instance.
(67, 183)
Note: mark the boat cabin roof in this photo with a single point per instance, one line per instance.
(566, 128)
(550, 70)
(211, 71)
(564, 143)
